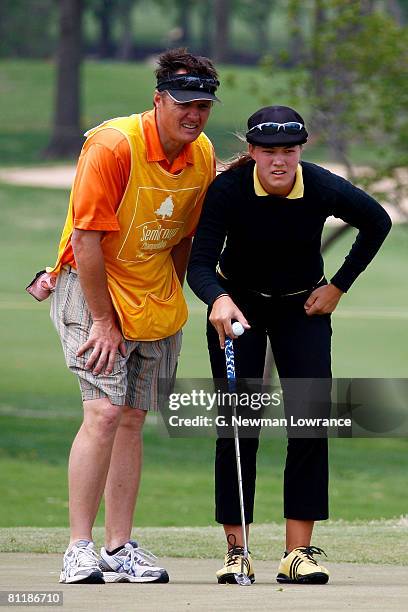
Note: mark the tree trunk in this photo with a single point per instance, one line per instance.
(342, 75)
(263, 38)
(184, 20)
(331, 80)
(395, 10)
(206, 20)
(296, 41)
(222, 14)
(125, 49)
(105, 15)
(66, 138)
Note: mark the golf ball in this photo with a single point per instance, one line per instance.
(237, 328)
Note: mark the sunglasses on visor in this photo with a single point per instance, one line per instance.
(271, 127)
(195, 83)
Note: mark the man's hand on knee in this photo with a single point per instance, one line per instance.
(106, 340)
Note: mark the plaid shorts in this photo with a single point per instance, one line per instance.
(137, 380)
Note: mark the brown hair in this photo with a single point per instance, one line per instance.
(173, 59)
(241, 158)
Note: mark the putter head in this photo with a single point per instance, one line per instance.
(242, 579)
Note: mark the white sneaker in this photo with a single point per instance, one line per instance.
(131, 564)
(81, 564)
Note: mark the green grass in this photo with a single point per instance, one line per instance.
(112, 89)
(40, 407)
(360, 542)
(177, 483)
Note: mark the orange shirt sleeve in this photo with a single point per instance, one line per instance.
(100, 181)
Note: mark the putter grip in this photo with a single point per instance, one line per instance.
(230, 362)
(229, 358)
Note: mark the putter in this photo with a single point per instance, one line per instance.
(241, 578)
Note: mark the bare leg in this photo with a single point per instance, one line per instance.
(88, 465)
(123, 479)
(236, 530)
(298, 533)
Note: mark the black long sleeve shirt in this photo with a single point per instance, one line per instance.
(272, 244)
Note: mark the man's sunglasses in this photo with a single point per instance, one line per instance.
(271, 127)
(196, 83)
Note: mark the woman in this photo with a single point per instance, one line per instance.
(256, 259)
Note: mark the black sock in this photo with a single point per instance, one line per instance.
(116, 550)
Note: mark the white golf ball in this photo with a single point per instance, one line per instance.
(237, 328)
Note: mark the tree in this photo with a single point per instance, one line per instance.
(66, 139)
(354, 80)
(222, 22)
(184, 9)
(256, 14)
(362, 95)
(124, 11)
(398, 9)
(23, 35)
(104, 11)
(296, 39)
(205, 20)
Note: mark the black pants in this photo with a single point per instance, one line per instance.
(301, 347)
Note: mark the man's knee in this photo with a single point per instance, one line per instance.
(101, 417)
(133, 419)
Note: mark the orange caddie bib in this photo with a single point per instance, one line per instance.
(157, 211)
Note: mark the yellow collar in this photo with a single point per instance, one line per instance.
(297, 189)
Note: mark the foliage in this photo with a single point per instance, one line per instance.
(353, 80)
(151, 25)
(27, 36)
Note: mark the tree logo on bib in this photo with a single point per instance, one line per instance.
(156, 221)
(166, 208)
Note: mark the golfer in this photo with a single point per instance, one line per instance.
(256, 259)
(118, 304)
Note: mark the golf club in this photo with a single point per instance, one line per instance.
(241, 578)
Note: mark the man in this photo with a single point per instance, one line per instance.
(118, 304)
(256, 258)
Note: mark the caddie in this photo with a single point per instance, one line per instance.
(118, 304)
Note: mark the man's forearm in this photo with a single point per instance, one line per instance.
(180, 255)
(92, 275)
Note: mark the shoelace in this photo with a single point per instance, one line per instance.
(234, 552)
(142, 556)
(235, 555)
(309, 551)
(86, 557)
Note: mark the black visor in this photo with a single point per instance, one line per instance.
(274, 126)
(188, 87)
